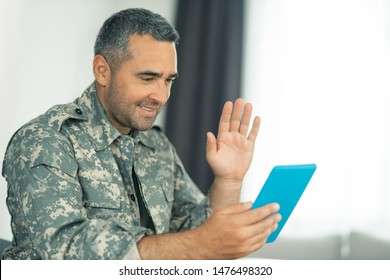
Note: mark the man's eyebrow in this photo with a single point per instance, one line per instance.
(149, 73)
(156, 74)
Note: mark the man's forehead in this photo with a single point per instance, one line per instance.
(149, 54)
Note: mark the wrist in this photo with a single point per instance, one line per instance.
(199, 237)
(224, 192)
(227, 182)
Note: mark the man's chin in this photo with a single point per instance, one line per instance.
(144, 126)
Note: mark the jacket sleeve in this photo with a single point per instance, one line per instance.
(190, 207)
(46, 206)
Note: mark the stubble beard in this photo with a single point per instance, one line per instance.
(127, 114)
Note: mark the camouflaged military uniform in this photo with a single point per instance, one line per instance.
(71, 193)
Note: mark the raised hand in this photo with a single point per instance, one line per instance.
(230, 154)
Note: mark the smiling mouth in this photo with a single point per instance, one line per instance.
(149, 111)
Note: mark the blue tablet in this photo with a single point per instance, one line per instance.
(285, 185)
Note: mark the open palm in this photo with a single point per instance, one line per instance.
(230, 154)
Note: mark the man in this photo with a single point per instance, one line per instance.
(93, 179)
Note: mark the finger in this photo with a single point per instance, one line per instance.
(246, 117)
(255, 129)
(224, 122)
(259, 214)
(258, 241)
(238, 208)
(236, 115)
(258, 238)
(265, 227)
(257, 246)
(269, 224)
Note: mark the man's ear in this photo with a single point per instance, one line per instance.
(101, 70)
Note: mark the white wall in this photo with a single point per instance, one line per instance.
(46, 52)
(318, 75)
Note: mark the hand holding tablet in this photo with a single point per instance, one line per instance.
(285, 185)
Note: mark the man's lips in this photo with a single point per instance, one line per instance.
(149, 110)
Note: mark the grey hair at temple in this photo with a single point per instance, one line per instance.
(113, 38)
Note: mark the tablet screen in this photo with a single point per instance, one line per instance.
(285, 185)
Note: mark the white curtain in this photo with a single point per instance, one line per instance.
(318, 74)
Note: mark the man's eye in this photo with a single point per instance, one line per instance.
(147, 79)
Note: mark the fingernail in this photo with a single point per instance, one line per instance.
(276, 206)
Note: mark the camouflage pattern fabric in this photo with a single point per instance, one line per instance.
(67, 195)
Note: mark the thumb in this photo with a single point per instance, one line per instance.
(211, 145)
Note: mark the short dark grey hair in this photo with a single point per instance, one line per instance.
(113, 39)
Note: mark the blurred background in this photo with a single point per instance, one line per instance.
(316, 72)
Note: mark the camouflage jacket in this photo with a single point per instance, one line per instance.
(66, 194)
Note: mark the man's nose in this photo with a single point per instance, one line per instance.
(161, 92)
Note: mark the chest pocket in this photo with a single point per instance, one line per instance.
(101, 199)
